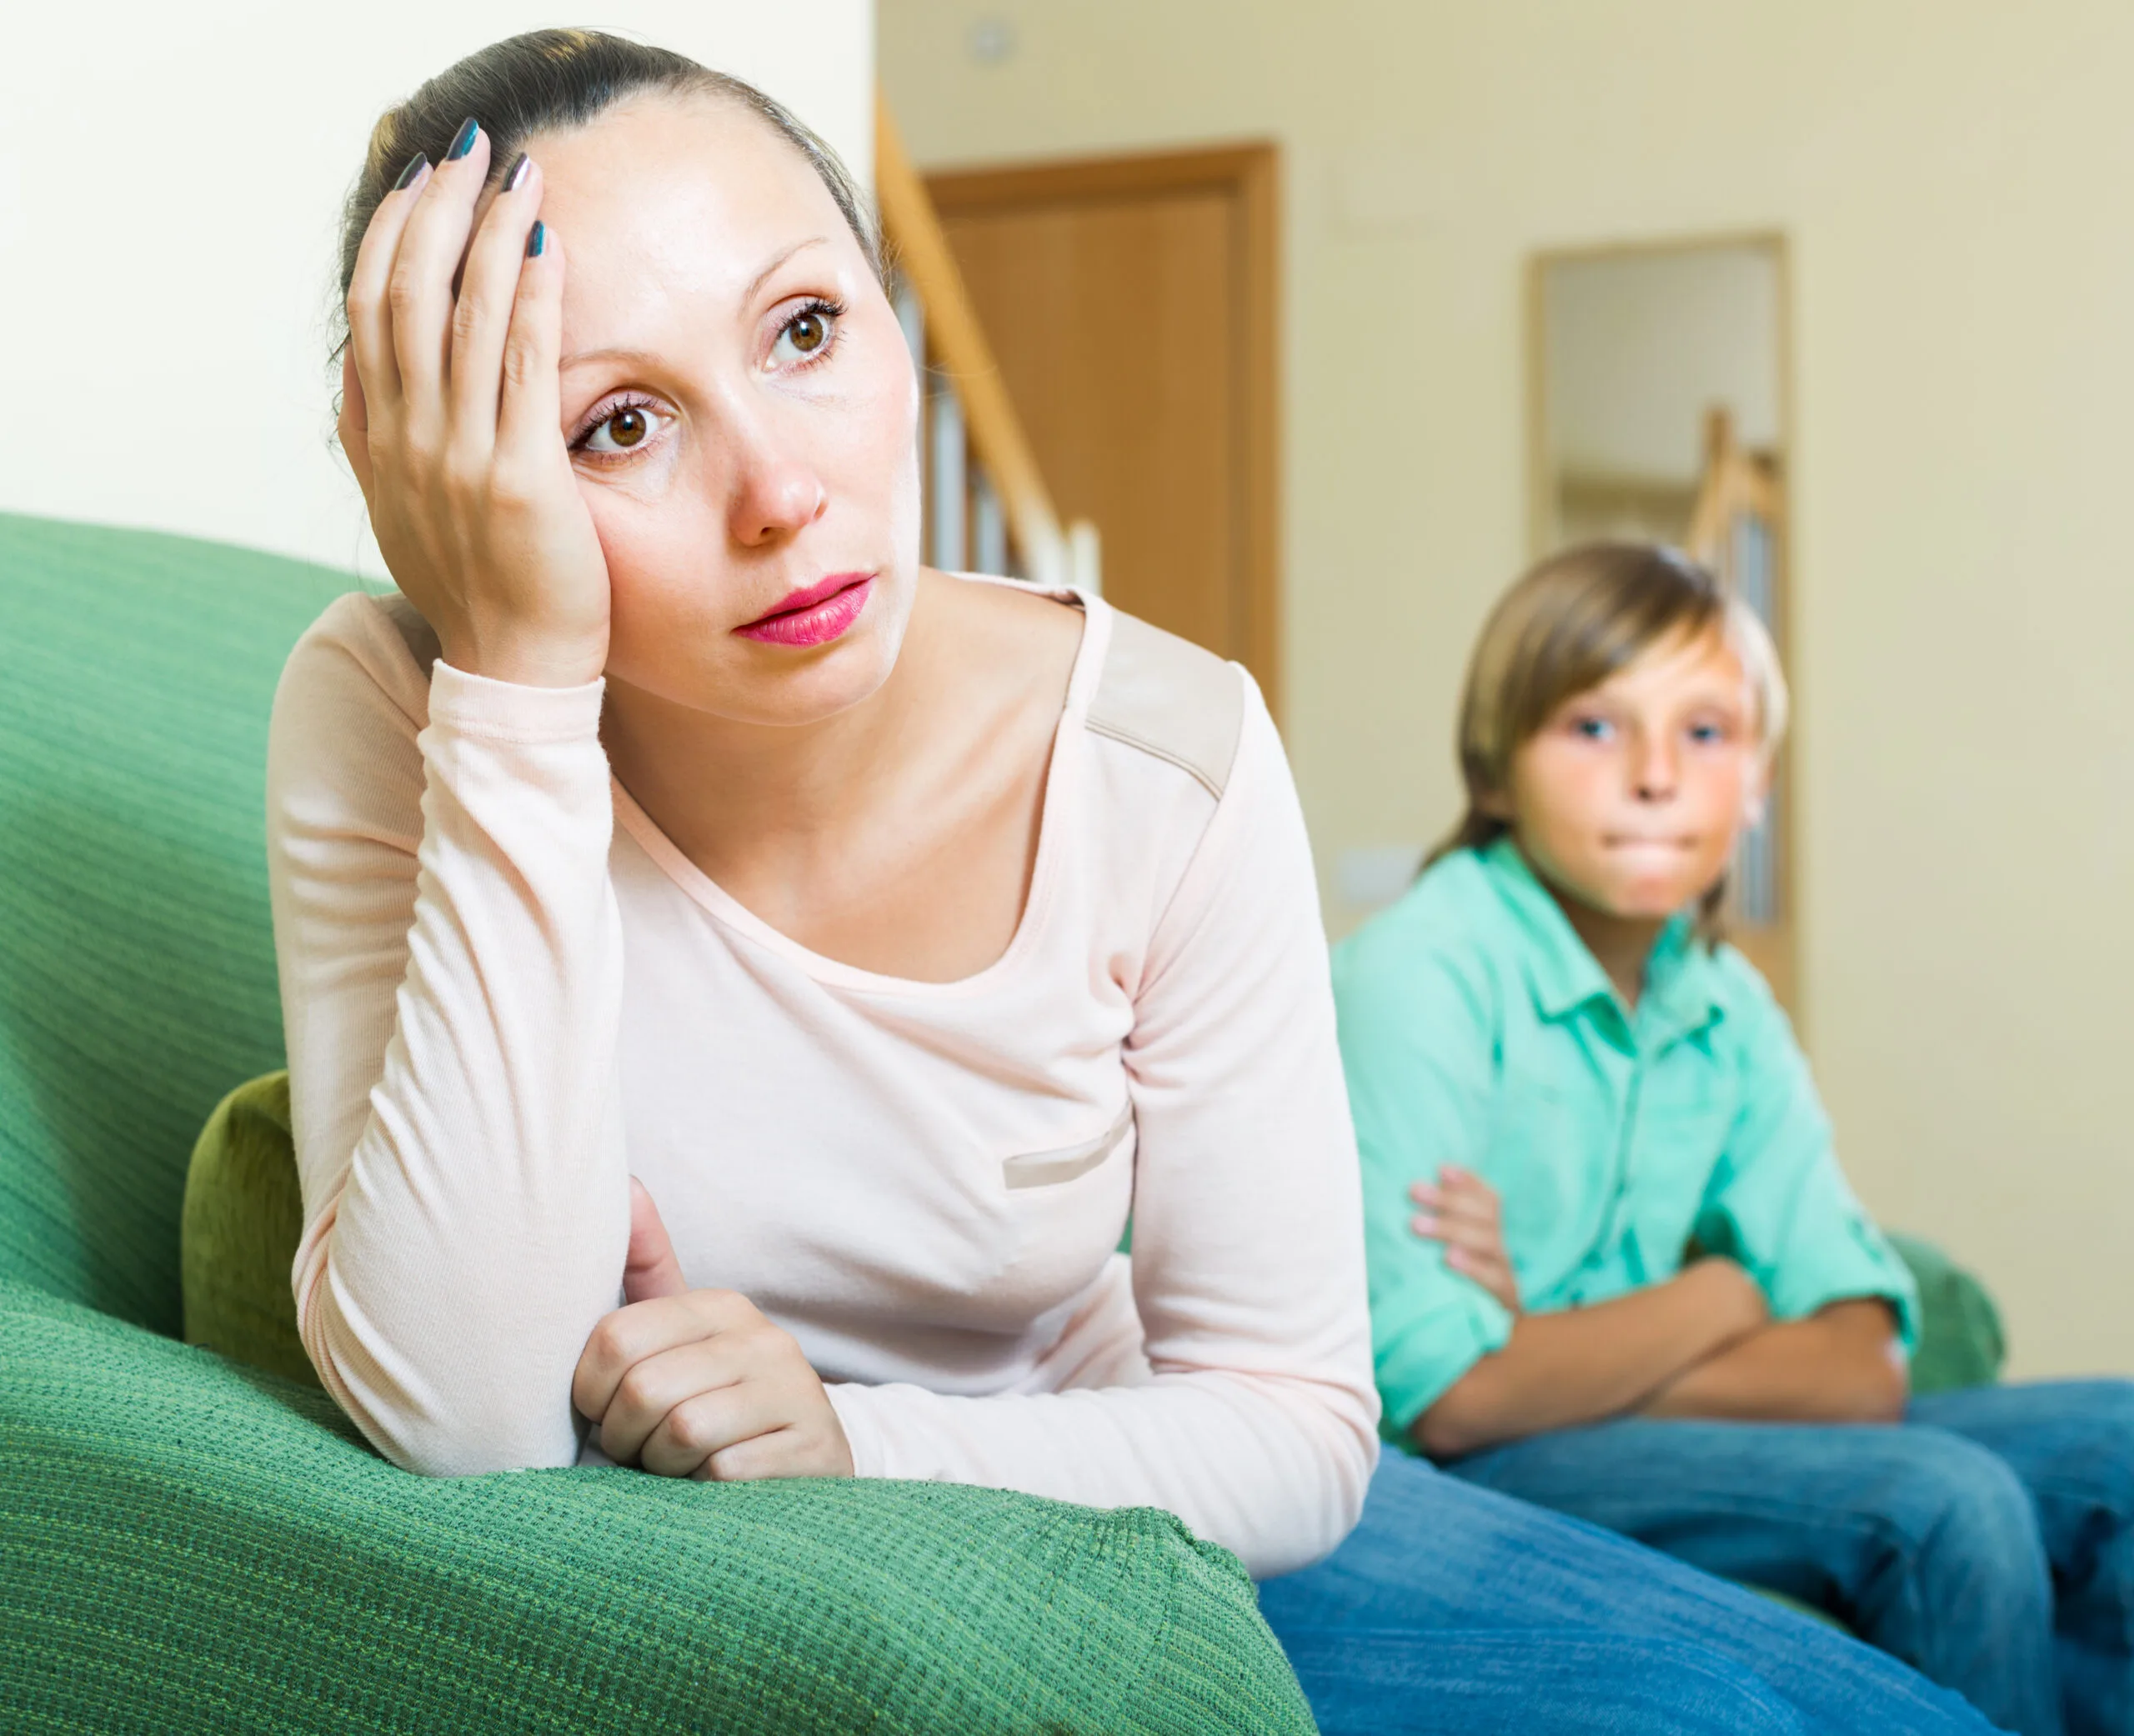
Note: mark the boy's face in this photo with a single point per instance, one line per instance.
(1630, 795)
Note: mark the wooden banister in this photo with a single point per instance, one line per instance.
(957, 348)
(1735, 483)
(1737, 531)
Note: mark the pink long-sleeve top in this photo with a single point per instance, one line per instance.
(506, 992)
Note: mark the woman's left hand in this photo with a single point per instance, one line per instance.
(697, 1383)
(1461, 1211)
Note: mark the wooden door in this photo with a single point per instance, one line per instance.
(1130, 303)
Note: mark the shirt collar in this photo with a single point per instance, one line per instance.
(1680, 994)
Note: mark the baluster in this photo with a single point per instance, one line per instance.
(989, 526)
(948, 491)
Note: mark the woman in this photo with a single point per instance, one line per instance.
(683, 894)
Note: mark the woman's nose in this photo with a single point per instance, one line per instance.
(773, 496)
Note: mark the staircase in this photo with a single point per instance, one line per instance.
(986, 507)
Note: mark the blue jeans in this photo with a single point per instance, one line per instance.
(1988, 1541)
(1451, 1608)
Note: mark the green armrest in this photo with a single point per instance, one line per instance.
(190, 1545)
(1961, 1342)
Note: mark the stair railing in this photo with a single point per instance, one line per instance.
(1737, 529)
(987, 509)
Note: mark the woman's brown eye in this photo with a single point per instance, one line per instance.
(623, 429)
(804, 337)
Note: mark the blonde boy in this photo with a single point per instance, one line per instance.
(1563, 1082)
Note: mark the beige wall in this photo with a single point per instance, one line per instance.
(1953, 177)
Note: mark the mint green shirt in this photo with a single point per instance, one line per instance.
(1476, 1029)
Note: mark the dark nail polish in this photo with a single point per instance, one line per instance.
(537, 241)
(518, 172)
(416, 164)
(463, 141)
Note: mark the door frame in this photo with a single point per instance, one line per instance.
(1249, 172)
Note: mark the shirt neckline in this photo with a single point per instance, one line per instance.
(1062, 782)
(1565, 976)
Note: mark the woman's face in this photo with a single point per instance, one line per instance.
(741, 410)
(1630, 795)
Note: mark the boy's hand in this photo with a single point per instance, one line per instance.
(1461, 1211)
(697, 1383)
(1726, 1291)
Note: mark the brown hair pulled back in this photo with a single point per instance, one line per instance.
(550, 80)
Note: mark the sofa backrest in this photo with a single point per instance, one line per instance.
(137, 962)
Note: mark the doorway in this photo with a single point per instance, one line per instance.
(1130, 303)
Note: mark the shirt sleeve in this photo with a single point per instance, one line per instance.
(450, 957)
(1777, 1202)
(1257, 1424)
(1416, 1043)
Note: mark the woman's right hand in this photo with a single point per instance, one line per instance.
(698, 1384)
(451, 417)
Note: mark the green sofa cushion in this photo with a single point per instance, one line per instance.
(187, 1545)
(137, 960)
(1960, 1339)
(243, 1216)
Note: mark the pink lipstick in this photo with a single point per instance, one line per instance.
(814, 615)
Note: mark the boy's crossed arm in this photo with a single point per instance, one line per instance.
(1842, 1365)
(1700, 1344)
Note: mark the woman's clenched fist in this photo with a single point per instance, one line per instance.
(697, 1383)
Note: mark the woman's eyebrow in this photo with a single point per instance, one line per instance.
(763, 276)
(578, 358)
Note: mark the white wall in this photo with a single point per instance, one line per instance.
(170, 179)
(1953, 177)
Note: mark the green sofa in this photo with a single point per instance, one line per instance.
(188, 1543)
